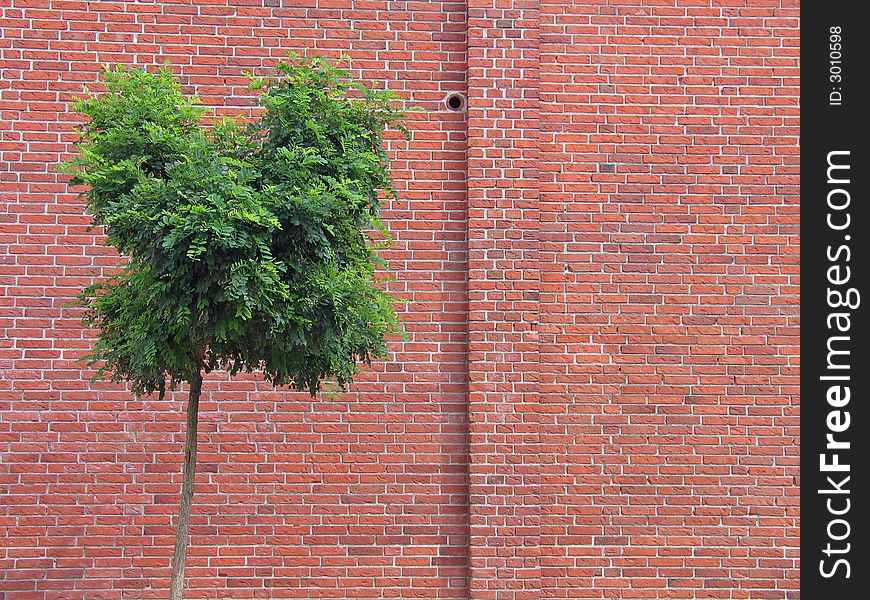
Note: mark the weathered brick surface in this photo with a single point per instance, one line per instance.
(503, 215)
(598, 397)
(668, 323)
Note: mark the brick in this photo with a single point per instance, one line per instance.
(599, 393)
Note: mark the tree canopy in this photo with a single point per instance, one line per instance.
(248, 244)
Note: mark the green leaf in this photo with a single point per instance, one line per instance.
(249, 245)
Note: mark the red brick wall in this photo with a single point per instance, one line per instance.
(669, 299)
(598, 398)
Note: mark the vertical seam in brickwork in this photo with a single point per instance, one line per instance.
(468, 447)
(503, 287)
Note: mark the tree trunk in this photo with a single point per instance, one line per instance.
(176, 587)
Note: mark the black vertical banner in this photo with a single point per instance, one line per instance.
(835, 300)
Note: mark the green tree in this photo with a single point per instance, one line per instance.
(248, 245)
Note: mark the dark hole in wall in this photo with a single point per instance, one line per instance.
(455, 102)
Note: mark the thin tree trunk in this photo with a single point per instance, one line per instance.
(176, 587)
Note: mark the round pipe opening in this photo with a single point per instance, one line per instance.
(455, 101)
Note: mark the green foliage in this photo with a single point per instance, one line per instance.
(248, 245)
